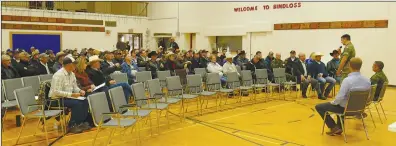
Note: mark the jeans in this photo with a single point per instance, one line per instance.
(304, 85)
(127, 89)
(79, 110)
(323, 107)
(323, 82)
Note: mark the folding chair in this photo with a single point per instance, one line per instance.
(261, 81)
(380, 99)
(355, 106)
(142, 69)
(9, 86)
(370, 101)
(202, 72)
(232, 82)
(239, 68)
(182, 73)
(162, 77)
(143, 77)
(248, 83)
(175, 89)
(45, 77)
(32, 81)
(280, 78)
(119, 77)
(194, 86)
(103, 118)
(213, 84)
(149, 103)
(30, 109)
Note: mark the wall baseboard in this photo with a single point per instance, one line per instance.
(392, 85)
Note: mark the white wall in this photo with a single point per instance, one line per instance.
(77, 39)
(219, 18)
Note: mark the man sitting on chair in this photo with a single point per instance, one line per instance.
(317, 70)
(355, 81)
(301, 72)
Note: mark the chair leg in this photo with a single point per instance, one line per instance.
(111, 135)
(364, 126)
(372, 117)
(383, 110)
(324, 122)
(343, 128)
(20, 131)
(96, 135)
(167, 116)
(45, 130)
(151, 125)
(379, 115)
(38, 124)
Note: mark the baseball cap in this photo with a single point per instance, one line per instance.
(68, 60)
(292, 52)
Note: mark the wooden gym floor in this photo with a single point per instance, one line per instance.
(272, 123)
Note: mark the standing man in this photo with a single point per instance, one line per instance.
(348, 53)
(354, 82)
(173, 45)
(64, 85)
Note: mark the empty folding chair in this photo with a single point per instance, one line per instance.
(175, 89)
(120, 77)
(32, 81)
(378, 100)
(9, 86)
(261, 80)
(121, 106)
(213, 84)
(45, 77)
(248, 83)
(30, 109)
(355, 106)
(280, 78)
(149, 103)
(155, 91)
(103, 118)
(232, 82)
(162, 77)
(142, 69)
(142, 77)
(239, 69)
(194, 86)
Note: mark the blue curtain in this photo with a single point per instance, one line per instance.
(39, 41)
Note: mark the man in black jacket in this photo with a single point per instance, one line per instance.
(300, 70)
(7, 71)
(24, 67)
(142, 59)
(108, 66)
(204, 60)
(43, 67)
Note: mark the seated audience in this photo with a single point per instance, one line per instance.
(303, 78)
(277, 62)
(51, 60)
(7, 70)
(318, 71)
(35, 59)
(98, 77)
(153, 65)
(354, 82)
(204, 60)
(15, 60)
(291, 64)
(142, 59)
(108, 66)
(269, 59)
(43, 67)
(182, 63)
(242, 61)
(378, 78)
(235, 59)
(24, 67)
(332, 65)
(118, 57)
(130, 68)
(229, 66)
(214, 67)
(195, 61)
(64, 85)
(58, 64)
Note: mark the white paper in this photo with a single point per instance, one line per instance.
(392, 127)
(100, 86)
(80, 98)
(36, 97)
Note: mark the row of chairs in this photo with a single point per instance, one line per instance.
(358, 103)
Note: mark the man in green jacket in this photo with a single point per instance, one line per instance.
(348, 53)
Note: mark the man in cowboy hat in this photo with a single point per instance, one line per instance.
(98, 77)
(333, 65)
(153, 64)
(64, 85)
(59, 61)
(229, 66)
(24, 67)
(318, 71)
(35, 59)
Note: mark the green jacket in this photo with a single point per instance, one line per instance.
(349, 52)
(378, 76)
(277, 63)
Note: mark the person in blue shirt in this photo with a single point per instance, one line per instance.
(318, 71)
(130, 68)
(354, 82)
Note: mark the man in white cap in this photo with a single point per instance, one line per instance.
(64, 85)
(229, 66)
(42, 67)
(318, 71)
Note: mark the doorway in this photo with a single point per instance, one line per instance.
(131, 40)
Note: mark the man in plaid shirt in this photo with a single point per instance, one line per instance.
(64, 86)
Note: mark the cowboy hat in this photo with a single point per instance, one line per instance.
(94, 58)
(152, 53)
(228, 55)
(317, 54)
(59, 54)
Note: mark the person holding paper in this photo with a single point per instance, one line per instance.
(64, 85)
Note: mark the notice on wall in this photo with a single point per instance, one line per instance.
(269, 7)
